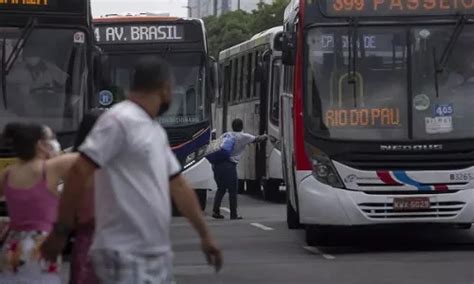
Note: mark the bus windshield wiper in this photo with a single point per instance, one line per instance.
(448, 50)
(20, 44)
(352, 57)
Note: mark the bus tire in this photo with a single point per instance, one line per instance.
(317, 235)
(241, 188)
(253, 187)
(202, 197)
(271, 189)
(292, 218)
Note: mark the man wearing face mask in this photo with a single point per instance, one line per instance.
(136, 172)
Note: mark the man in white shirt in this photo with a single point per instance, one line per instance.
(135, 174)
(225, 173)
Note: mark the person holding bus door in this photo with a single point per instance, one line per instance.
(225, 173)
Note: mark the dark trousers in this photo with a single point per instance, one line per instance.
(225, 175)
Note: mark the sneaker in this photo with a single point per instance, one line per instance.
(217, 216)
(237, 218)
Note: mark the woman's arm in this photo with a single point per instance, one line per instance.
(58, 168)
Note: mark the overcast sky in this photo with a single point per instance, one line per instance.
(174, 7)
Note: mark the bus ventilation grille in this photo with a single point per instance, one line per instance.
(438, 210)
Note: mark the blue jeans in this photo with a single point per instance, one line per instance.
(225, 175)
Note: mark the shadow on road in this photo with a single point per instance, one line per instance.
(398, 238)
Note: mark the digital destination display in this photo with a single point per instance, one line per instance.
(367, 117)
(54, 6)
(375, 8)
(139, 33)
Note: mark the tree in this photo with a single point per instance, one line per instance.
(238, 26)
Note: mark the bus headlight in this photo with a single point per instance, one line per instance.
(324, 171)
(195, 157)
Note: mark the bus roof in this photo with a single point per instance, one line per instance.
(265, 37)
(139, 18)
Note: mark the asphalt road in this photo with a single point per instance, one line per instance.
(260, 249)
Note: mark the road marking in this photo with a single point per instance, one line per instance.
(225, 209)
(315, 250)
(260, 226)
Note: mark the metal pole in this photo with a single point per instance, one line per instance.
(215, 8)
(238, 4)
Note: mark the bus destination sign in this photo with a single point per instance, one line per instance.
(376, 8)
(139, 33)
(24, 5)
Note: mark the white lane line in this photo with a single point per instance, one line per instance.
(225, 209)
(260, 226)
(315, 250)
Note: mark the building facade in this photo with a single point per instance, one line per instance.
(205, 8)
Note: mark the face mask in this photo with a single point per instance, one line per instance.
(55, 147)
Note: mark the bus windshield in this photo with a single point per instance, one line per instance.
(387, 81)
(188, 106)
(45, 82)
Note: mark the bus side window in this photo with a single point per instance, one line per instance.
(256, 84)
(241, 78)
(249, 75)
(238, 70)
(233, 85)
(275, 93)
(244, 77)
(227, 80)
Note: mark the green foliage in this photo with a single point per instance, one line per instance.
(238, 26)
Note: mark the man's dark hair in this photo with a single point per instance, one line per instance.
(151, 74)
(237, 125)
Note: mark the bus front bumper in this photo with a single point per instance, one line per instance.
(320, 204)
(200, 175)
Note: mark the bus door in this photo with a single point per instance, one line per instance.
(264, 74)
(226, 95)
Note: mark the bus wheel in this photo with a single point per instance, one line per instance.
(253, 187)
(292, 218)
(241, 186)
(271, 189)
(317, 235)
(202, 197)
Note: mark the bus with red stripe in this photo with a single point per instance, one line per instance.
(376, 113)
(182, 43)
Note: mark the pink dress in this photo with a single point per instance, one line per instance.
(32, 212)
(82, 271)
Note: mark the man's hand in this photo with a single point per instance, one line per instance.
(186, 201)
(213, 254)
(53, 246)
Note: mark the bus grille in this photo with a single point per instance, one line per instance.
(391, 162)
(438, 210)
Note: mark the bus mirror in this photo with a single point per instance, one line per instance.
(97, 69)
(288, 48)
(213, 78)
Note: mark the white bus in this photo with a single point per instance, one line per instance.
(250, 89)
(183, 44)
(375, 130)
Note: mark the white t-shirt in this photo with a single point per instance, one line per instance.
(132, 194)
(241, 141)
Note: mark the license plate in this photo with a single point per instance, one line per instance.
(6, 162)
(410, 204)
